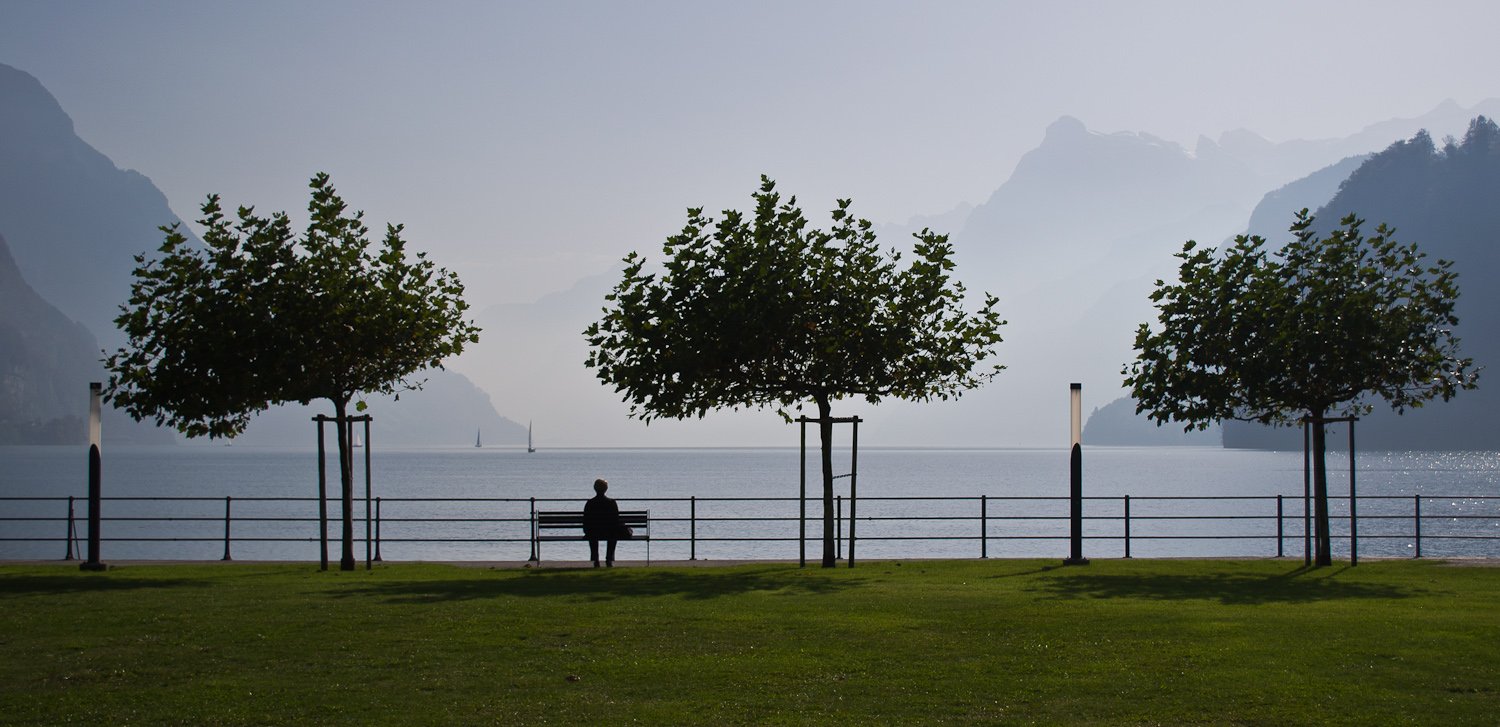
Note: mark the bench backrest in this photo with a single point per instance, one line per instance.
(635, 519)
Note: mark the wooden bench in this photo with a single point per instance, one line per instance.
(563, 525)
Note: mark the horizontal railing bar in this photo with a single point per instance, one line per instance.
(952, 516)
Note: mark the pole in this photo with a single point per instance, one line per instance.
(984, 526)
(96, 488)
(853, 483)
(1075, 468)
(322, 497)
(1280, 529)
(377, 530)
(1353, 501)
(838, 522)
(72, 536)
(227, 501)
(534, 548)
(1306, 497)
(369, 557)
(1417, 518)
(802, 502)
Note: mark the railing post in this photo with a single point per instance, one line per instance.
(377, 530)
(227, 500)
(72, 534)
(532, 529)
(1417, 516)
(1127, 526)
(1280, 527)
(984, 526)
(693, 528)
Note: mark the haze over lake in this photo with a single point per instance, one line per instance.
(1068, 148)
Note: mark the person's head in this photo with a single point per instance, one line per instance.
(600, 486)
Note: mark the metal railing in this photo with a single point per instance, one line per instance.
(742, 528)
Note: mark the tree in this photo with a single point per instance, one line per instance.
(1321, 326)
(763, 310)
(257, 317)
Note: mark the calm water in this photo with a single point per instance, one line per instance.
(911, 502)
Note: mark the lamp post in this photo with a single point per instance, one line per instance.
(1075, 404)
(95, 477)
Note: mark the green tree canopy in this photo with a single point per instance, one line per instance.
(765, 310)
(258, 316)
(1322, 326)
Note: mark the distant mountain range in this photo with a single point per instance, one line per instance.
(1071, 242)
(1074, 240)
(46, 362)
(73, 222)
(1444, 198)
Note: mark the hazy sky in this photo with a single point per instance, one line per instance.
(529, 144)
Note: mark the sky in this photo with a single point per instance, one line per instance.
(528, 145)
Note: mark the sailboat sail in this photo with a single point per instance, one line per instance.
(529, 448)
(476, 439)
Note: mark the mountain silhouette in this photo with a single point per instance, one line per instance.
(73, 219)
(46, 362)
(1445, 200)
(1073, 242)
(75, 222)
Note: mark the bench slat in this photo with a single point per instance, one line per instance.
(558, 522)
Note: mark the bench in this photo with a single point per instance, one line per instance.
(561, 525)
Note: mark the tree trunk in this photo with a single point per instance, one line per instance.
(1322, 535)
(825, 439)
(344, 431)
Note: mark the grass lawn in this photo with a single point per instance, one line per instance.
(1117, 641)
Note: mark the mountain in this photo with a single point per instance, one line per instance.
(1079, 191)
(1117, 425)
(46, 362)
(900, 234)
(1276, 210)
(1443, 199)
(74, 222)
(1071, 243)
(448, 411)
(1074, 240)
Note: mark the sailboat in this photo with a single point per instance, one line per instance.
(477, 445)
(529, 448)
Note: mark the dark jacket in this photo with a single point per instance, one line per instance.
(601, 519)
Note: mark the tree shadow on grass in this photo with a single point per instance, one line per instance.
(13, 586)
(588, 584)
(1301, 585)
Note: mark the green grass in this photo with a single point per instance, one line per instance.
(1237, 642)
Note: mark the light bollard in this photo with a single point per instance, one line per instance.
(96, 488)
(1076, 476)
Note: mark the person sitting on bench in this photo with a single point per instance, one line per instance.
(601, 521)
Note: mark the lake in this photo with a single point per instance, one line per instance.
(475, 504)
